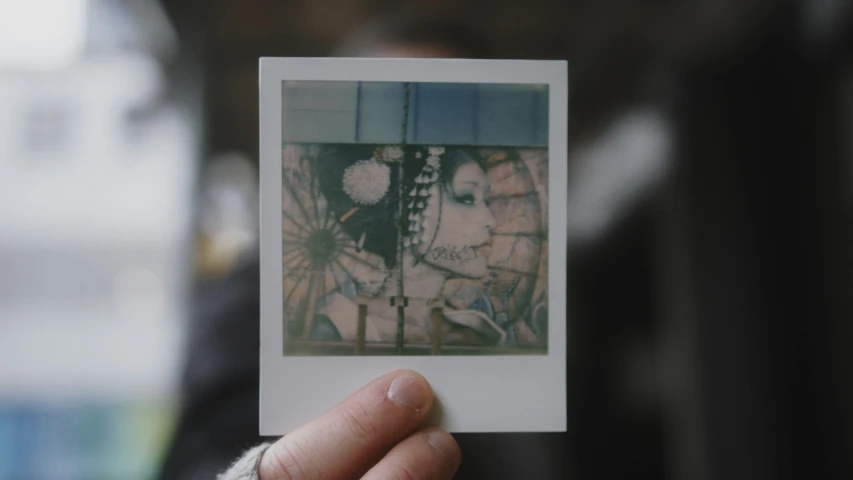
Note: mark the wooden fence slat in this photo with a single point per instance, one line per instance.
(436, 315)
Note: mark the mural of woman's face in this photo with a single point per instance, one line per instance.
(460, 225)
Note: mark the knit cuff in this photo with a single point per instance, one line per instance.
(246, 467)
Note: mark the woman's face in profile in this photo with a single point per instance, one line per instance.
(461, 224)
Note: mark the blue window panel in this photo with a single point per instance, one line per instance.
(318, 126)
(319, 111)
(333, 96)
(541, 134)
(7, 444)
(439, 113)
(26, 451)
(380, 112)
(506, 115)
(446, 113)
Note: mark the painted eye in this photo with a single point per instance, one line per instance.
(466, 199)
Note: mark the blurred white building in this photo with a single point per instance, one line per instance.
(96, 174)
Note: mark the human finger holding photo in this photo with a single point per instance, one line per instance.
(373, 434)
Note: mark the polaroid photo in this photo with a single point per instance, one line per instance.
(412, 216)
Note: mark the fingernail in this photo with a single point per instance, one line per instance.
(409, 391)
(442, 441)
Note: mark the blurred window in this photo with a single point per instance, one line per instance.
(47, 127)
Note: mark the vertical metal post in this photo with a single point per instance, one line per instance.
(401, 231)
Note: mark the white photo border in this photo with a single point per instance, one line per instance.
(514, 393)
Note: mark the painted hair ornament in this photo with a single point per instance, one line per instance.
(366, 182)
(424, 191)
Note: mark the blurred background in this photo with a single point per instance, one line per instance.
(710, 211)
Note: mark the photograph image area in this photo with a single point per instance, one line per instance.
(414, 218)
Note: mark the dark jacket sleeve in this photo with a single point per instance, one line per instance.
(218, 417)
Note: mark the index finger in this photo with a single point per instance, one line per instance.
(359, 429)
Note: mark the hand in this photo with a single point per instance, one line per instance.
(371, 433)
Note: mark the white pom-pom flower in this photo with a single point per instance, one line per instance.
(367, 181)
